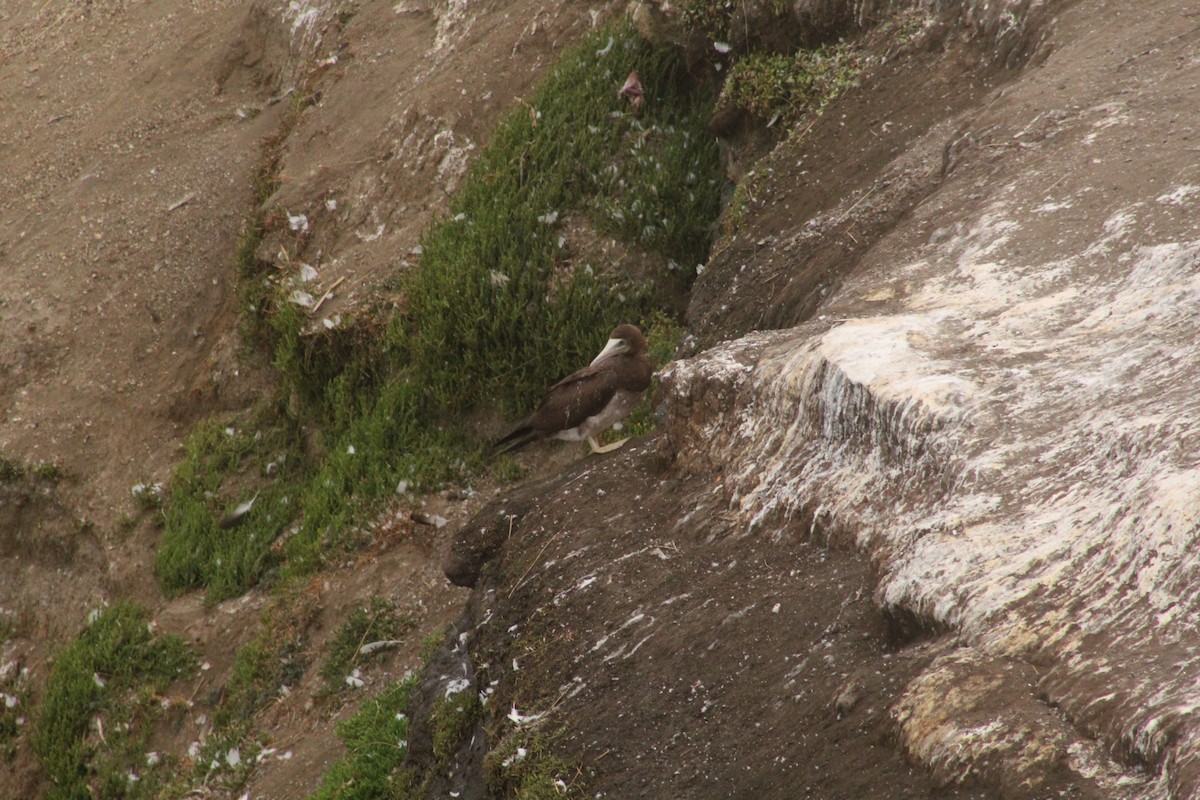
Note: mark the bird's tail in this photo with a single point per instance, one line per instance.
(515, 439)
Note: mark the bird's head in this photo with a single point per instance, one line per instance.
(623, 339)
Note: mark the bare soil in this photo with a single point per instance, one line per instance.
(129, 137)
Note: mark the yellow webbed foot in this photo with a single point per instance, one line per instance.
(607, 448)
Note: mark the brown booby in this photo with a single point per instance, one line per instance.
(591, 400)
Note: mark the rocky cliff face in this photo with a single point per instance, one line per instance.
(992, 406)
(987, 401)
(994, 409)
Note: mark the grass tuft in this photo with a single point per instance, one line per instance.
(89, 730)
(781, 88)
(523, 767)
(224, 466)
(147, 496)
(46, 472)
(376, 740)
(378, 622)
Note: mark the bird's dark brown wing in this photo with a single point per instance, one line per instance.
(576, 397)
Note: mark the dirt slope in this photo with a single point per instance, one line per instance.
(124, 187)
(129, 133)
(129, 137)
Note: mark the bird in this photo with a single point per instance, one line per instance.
(591, 400)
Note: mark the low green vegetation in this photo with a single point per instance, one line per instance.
(451, 721)
(709, 18)
(380, 442)
(254, 289)
(147, 496)
(89, 729)
(379, 622)
(714, 19)
(15, 472)
(523, 760)
(524, 767)
(267, 665)
(376, 740)
(904, 27)
(224, 467)
(264, 669)
(781, 88)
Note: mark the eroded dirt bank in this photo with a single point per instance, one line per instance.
(130, 137)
